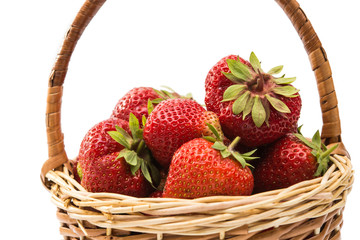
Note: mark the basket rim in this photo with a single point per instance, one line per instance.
(308, 199)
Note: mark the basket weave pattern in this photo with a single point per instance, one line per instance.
(288, 211)
(308, 210)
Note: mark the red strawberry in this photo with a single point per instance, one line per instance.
(109, 174)
(174, 122)
(97, 142)
(252, 104)
(201, 168)
(112, 160)
(290, 160)
(136, 101)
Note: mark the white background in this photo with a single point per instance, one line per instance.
(150, 43)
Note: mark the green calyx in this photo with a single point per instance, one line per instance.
(254, 91)
(319, 151)
(228, 151)
(135, 151)
(218, 136)
(79, 171)
(165, 94)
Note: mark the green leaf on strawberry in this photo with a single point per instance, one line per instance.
(209, 138)
(145, 171)
(255, 63)
(287, 91)
(136, 153)
(143, 119)
(120, 138)
(131, 157)
(219, 146)
(232, 78)
(279, 105)
(157, 100)
(214, 131)
(258, 112)
(240, 159)
(240, 103)
(135, 168)
(150, 107)
(135, 127)
(228, 151)
(248, 107)
(232, 92)
(319, 150)
(239, 70)
(255, 91)
(276, 70)
(79, 171)
(283, 80)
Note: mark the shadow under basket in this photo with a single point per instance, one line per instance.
(307, 210)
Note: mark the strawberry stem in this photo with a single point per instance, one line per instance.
(328, 151)
(260, 82)
(234, 143)
(140, 147)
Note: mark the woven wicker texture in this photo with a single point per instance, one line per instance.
(286, 211)
(308, 210)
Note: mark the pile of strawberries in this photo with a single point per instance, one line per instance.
(247, 140)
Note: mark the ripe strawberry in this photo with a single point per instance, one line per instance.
(136, 101)
(290, 160)
(250, 103)
(117, 160)
(201, 168)
(97, 142)
(174, 122)
(112, 174)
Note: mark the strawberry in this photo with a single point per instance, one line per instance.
(112, 174)
(290, 160)
(202, 168)
(136, 101)
(117, 160)
(97, 142)
(174, 122)
(250, 103)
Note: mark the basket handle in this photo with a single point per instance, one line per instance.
(331, 130)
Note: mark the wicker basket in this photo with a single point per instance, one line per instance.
(308, 210)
